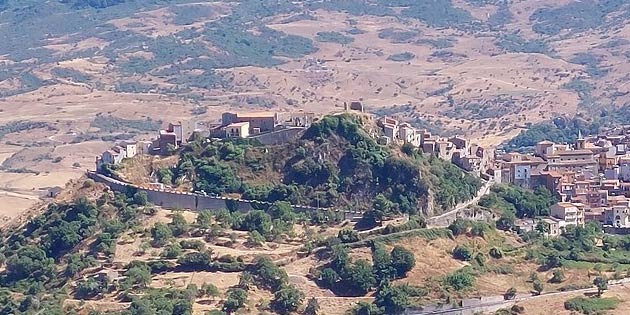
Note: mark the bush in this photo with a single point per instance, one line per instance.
(348, 236)
(461, 279)
(172, 251)
(288, 299)
(403, 260)
(236, 298)
(496, 253)
(558, 276)
(161, 234)
(591, 305)
(328, 278)
(462, 253)
(510, 294)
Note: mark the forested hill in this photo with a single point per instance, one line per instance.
(336, 163)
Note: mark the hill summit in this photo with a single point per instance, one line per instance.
(336, 162)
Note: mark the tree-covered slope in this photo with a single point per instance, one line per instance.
(336, 163)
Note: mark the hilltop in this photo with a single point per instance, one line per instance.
(335, 163)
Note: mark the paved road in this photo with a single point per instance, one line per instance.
(496, 303)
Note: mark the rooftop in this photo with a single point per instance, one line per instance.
(256, 115)
(239, 124)
(574, 152)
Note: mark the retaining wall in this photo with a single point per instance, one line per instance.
(280, 136)
(190, 201)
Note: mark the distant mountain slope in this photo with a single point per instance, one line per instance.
(460, 66)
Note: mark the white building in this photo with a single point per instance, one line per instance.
(237, 130)
(570, 213)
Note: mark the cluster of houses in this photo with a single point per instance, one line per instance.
(232, 125)
(592, 175)
(470, 157)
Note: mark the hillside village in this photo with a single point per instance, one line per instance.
(193, 234)
(590, 178)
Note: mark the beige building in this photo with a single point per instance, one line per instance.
(570, 213)
(237, 130)
(552, 226)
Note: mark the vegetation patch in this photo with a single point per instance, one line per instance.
(404, 56)
(590, 306)
(19, 126)
(334, 37)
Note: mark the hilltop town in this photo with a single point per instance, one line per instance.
(590, 178)
(206, 216)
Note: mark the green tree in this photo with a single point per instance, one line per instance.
(178, 225)
(138, 275)
(268, 275)
(558, 276)
(348, 236)
(89, 288)
(282, 210)
(361, 276)
(254, 239)
(256, 221)
(329, 277)
(141, 198)
(538, 286)
(403, 260)
(496, 253)
(462, 253)
(312, 307)
(461, 279)
(172, 250)
(392, 299)
(364, 308)
(209, 289)
(288, 299)
(204, 219)
(245, 280)
(601, 283)
(510, 294)
(236, 298)
(161, 234)
(384, 269)
(30, 262)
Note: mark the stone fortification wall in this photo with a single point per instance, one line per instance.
(182, 200)
(280, 136)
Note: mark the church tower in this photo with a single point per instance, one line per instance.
(581, 142)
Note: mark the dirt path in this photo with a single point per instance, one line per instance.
(443, 220)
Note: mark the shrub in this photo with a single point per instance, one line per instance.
(496, 253)
(558, 276)
(591, 305)
(348, 236)
(288, 299)
(462, 253)
(403, 260)
(510, 294)
(460, 280)
(236, 298)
